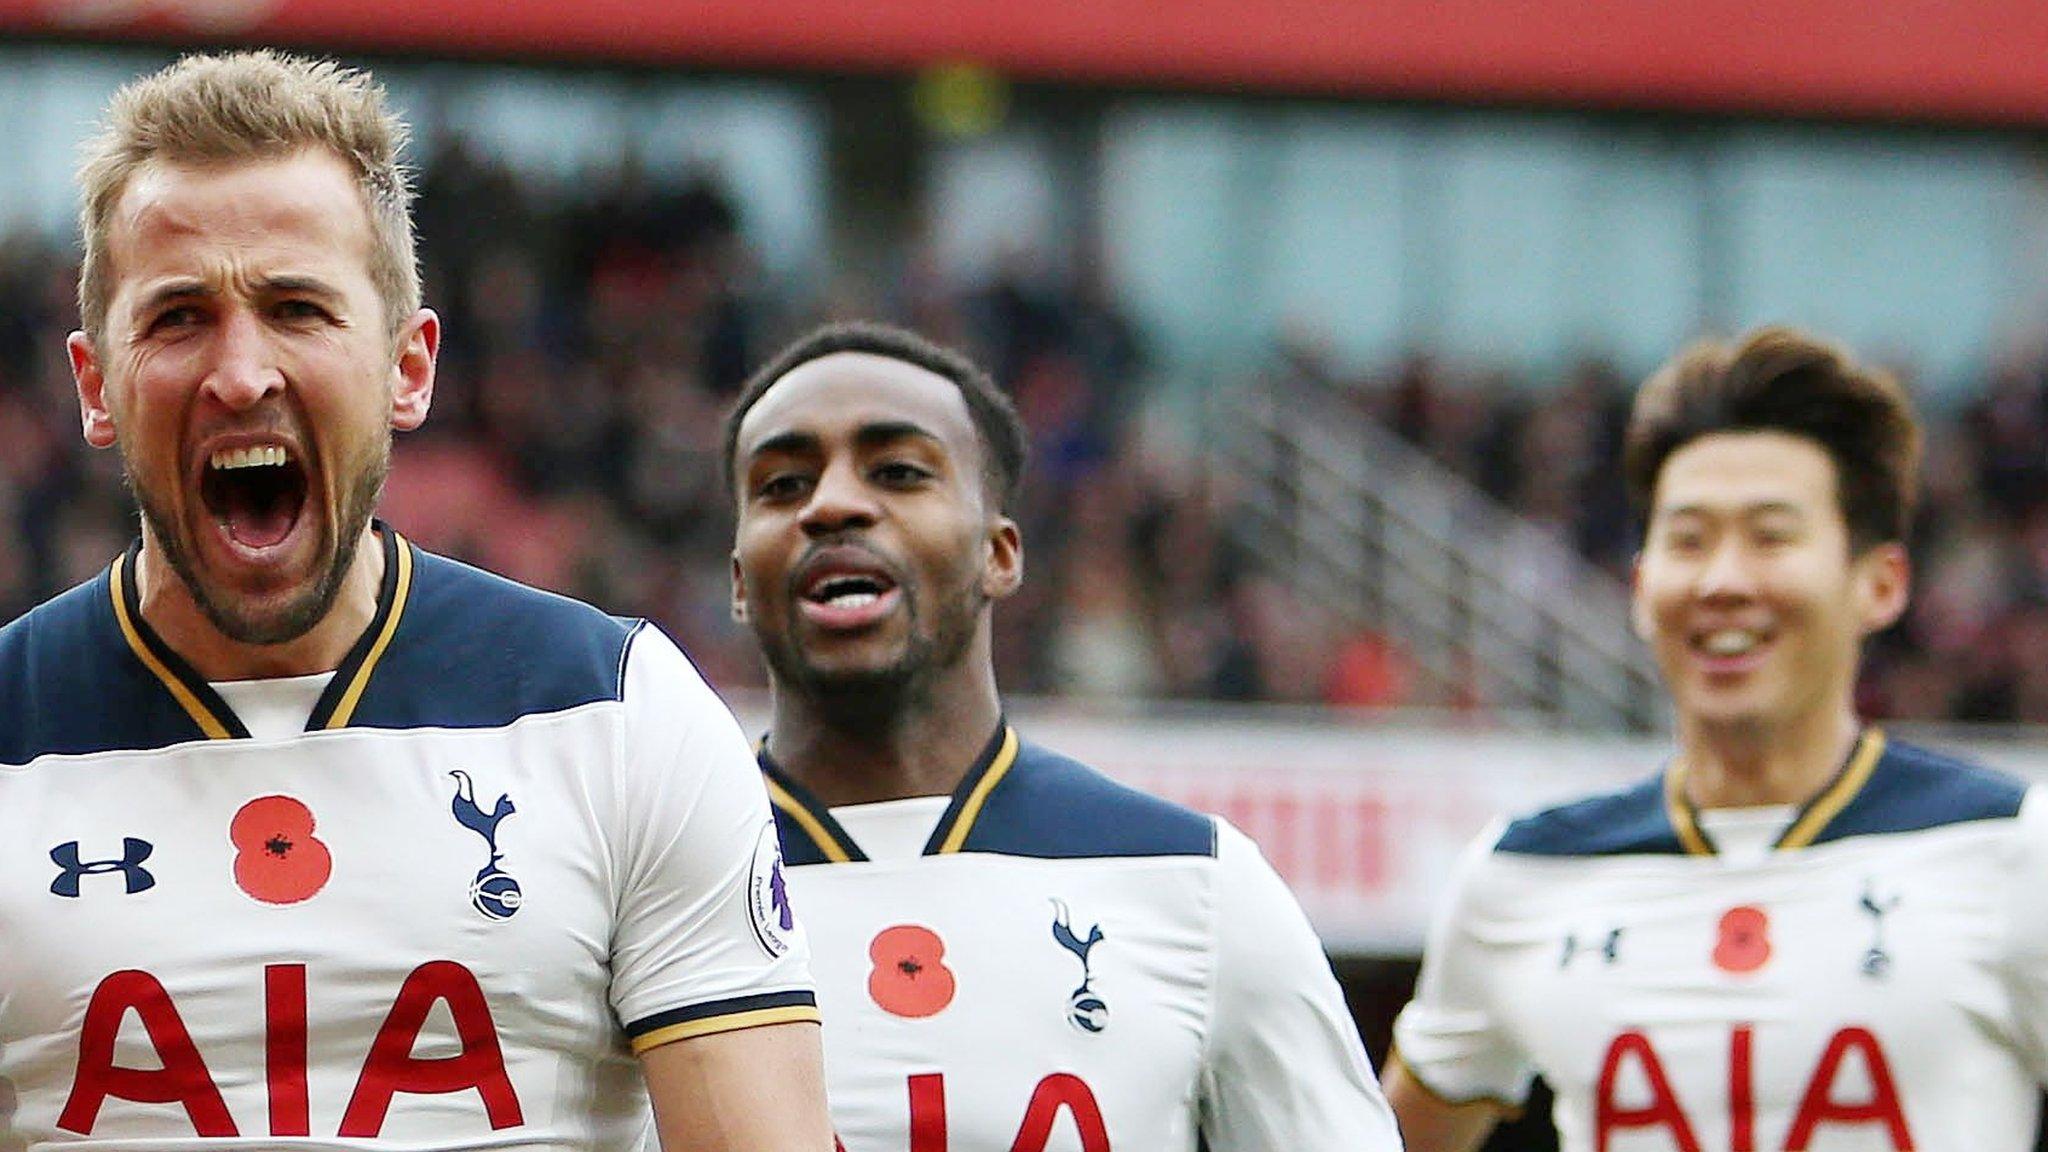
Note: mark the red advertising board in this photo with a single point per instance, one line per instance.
(1980, 61)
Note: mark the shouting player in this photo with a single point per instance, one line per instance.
(1799, 934)
(1013, 952)
(307, 837)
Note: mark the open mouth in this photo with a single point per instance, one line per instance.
(255, 494)
(1730, 642)
(848, 592)
(1730, 649)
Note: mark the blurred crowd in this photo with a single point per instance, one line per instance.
(1973, 645)
(594, 337)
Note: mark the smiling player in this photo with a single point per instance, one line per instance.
(1800, 934)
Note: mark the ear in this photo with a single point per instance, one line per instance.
(93, 413)
(1638, 611)
(1002, 569)
(1883, 579)
(412, 393)
(739, 591)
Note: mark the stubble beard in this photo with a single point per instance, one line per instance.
(302, 612)
(872, 697)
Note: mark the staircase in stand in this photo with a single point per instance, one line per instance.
(1492, 609)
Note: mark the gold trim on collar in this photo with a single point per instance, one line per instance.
(827, 843)
(210, 724)
(1812, 818)
(997, 769)
(1836, 796)
(346, 709)
(1680, 810)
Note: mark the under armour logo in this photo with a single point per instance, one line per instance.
(133, 853)
(1608, 949)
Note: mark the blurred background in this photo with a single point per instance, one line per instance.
(1325, 318)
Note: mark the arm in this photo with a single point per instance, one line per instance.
(1284, 1068)
(710, 967)
(1430, 1123)
(1450, 1034)
(2026, 964)
(752, 1089)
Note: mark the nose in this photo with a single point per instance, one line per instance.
(841, 500)
(244, 369)
(1727, 572)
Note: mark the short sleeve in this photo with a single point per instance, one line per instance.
(1450, 1036)
(1284, 1067)
(2026, 961)
(705, 939)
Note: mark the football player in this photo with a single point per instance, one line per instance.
(309, 835)
(1798, 933)
(1014, 953)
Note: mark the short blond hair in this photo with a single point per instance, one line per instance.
(244, 106)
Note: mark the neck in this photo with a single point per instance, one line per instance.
(862, 751)
(169, 607)
(1751, 765)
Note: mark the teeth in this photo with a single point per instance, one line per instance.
(852, 599)
(264, 456)
(1730, 642)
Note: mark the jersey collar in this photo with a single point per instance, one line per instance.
(969, 797)
(795, 801)
(217, 721)
(1813, 816)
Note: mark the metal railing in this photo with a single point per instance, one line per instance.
(1492, 609)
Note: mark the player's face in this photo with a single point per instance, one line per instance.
(1747, 590)
(251, 380)
(866, 550)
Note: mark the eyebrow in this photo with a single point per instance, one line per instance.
(297, 286)
(1758, 508)
(173, 290)
(187, 288)
(875, 435)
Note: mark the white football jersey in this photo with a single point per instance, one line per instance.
(1071, 966)
(518, 841)
(1878, 982)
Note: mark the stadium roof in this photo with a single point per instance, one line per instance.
(1964, 61)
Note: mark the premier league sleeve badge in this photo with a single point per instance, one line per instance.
(768, 894)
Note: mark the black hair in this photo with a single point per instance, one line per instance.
(1004, 444)
(1780, 379)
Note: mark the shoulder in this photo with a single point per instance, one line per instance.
(1049, 806)
(471, 649)
(1915, 788)
(1632, 821)
(70, 684)
(1251, 893)
(1910, 789)
(53, 634)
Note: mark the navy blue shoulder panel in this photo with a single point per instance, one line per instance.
(70, 685)
(1050, 807)
(1914, 788)
(1632, 822)
(797, 846)
(474, 650)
